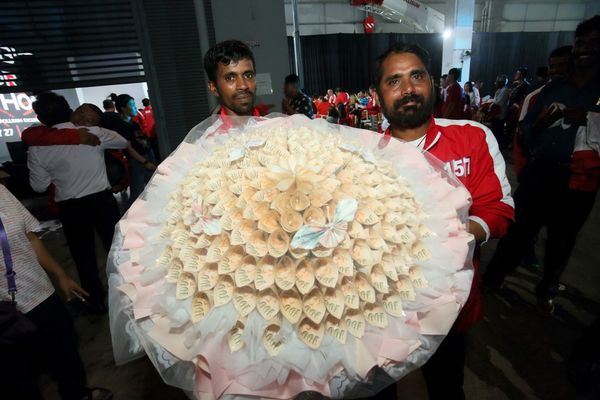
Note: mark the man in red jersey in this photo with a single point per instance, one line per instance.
(470, 152)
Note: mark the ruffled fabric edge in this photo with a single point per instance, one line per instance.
(203, 367)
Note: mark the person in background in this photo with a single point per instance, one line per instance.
(454, 101)
(330, 97)
(323, 106)
(138, 153)
(519, 87)
(559, 63)
(333, 115)
(85, 202)
(295, 101)
(110, 117)
(518, 90)
(440, 96)
(472, 94)
(541, 78)
(108, 105)
(53, 345)
(117, 166)
(373, 105)
(495, 110)
(150, 128)
(315, 102)
(407, 95)
(363, 99)
(556, 190)
(341, 97)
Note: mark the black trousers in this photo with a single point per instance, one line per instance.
(443, 372)
(543, 198)
(80, 218)
(52, 348)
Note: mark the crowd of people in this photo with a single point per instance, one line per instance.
(86, 156)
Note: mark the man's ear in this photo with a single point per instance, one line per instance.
(213, 88)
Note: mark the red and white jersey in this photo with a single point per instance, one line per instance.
(529, 101)
(470, 152)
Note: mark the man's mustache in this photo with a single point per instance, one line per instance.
(414, 98)
(243, 93)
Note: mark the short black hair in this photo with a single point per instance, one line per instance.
(122, 101)
(229, 51)
(292, 78)
(337, 90)
(504, 79)
(145, 102)
(562, 51)
(94, 108)
(524, 71)
(444, 76)
(454, 72)
(108, 104)
(398, 48)
(52, 109)
(587, 26)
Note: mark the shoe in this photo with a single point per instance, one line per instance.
(530, 261)
(98, 393)
(546, 305)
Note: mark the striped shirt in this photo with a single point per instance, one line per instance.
(33, 284)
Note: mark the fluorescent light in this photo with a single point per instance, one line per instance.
(447, 33)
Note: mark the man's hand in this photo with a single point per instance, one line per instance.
(575, 116)
(546, 118)
(69, 288)
(85, 137)
(149, 166)
(477, 231)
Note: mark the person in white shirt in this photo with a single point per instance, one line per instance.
(52, 346)
(83, 195)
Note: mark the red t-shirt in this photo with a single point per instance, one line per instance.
(342, 98)
(323, 107)
(148, 126)
(454, 95)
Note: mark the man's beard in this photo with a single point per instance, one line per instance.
(240, 109)
(412, 116)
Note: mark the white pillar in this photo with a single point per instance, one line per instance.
(458, 36)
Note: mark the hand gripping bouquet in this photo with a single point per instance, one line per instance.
(269, 257)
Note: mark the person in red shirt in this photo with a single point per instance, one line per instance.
(341, 97)
(149, 127)
(373, 105)
(470, 152)
(322, 107)
(454, 99)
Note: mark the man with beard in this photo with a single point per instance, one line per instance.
(558, 186)
(232, 78)
(470, 152)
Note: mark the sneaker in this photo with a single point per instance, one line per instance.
(98, 393)
(546, 305)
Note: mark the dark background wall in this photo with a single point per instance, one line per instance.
(495, 53)
(347, 60)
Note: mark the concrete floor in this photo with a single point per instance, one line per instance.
(516, 352)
